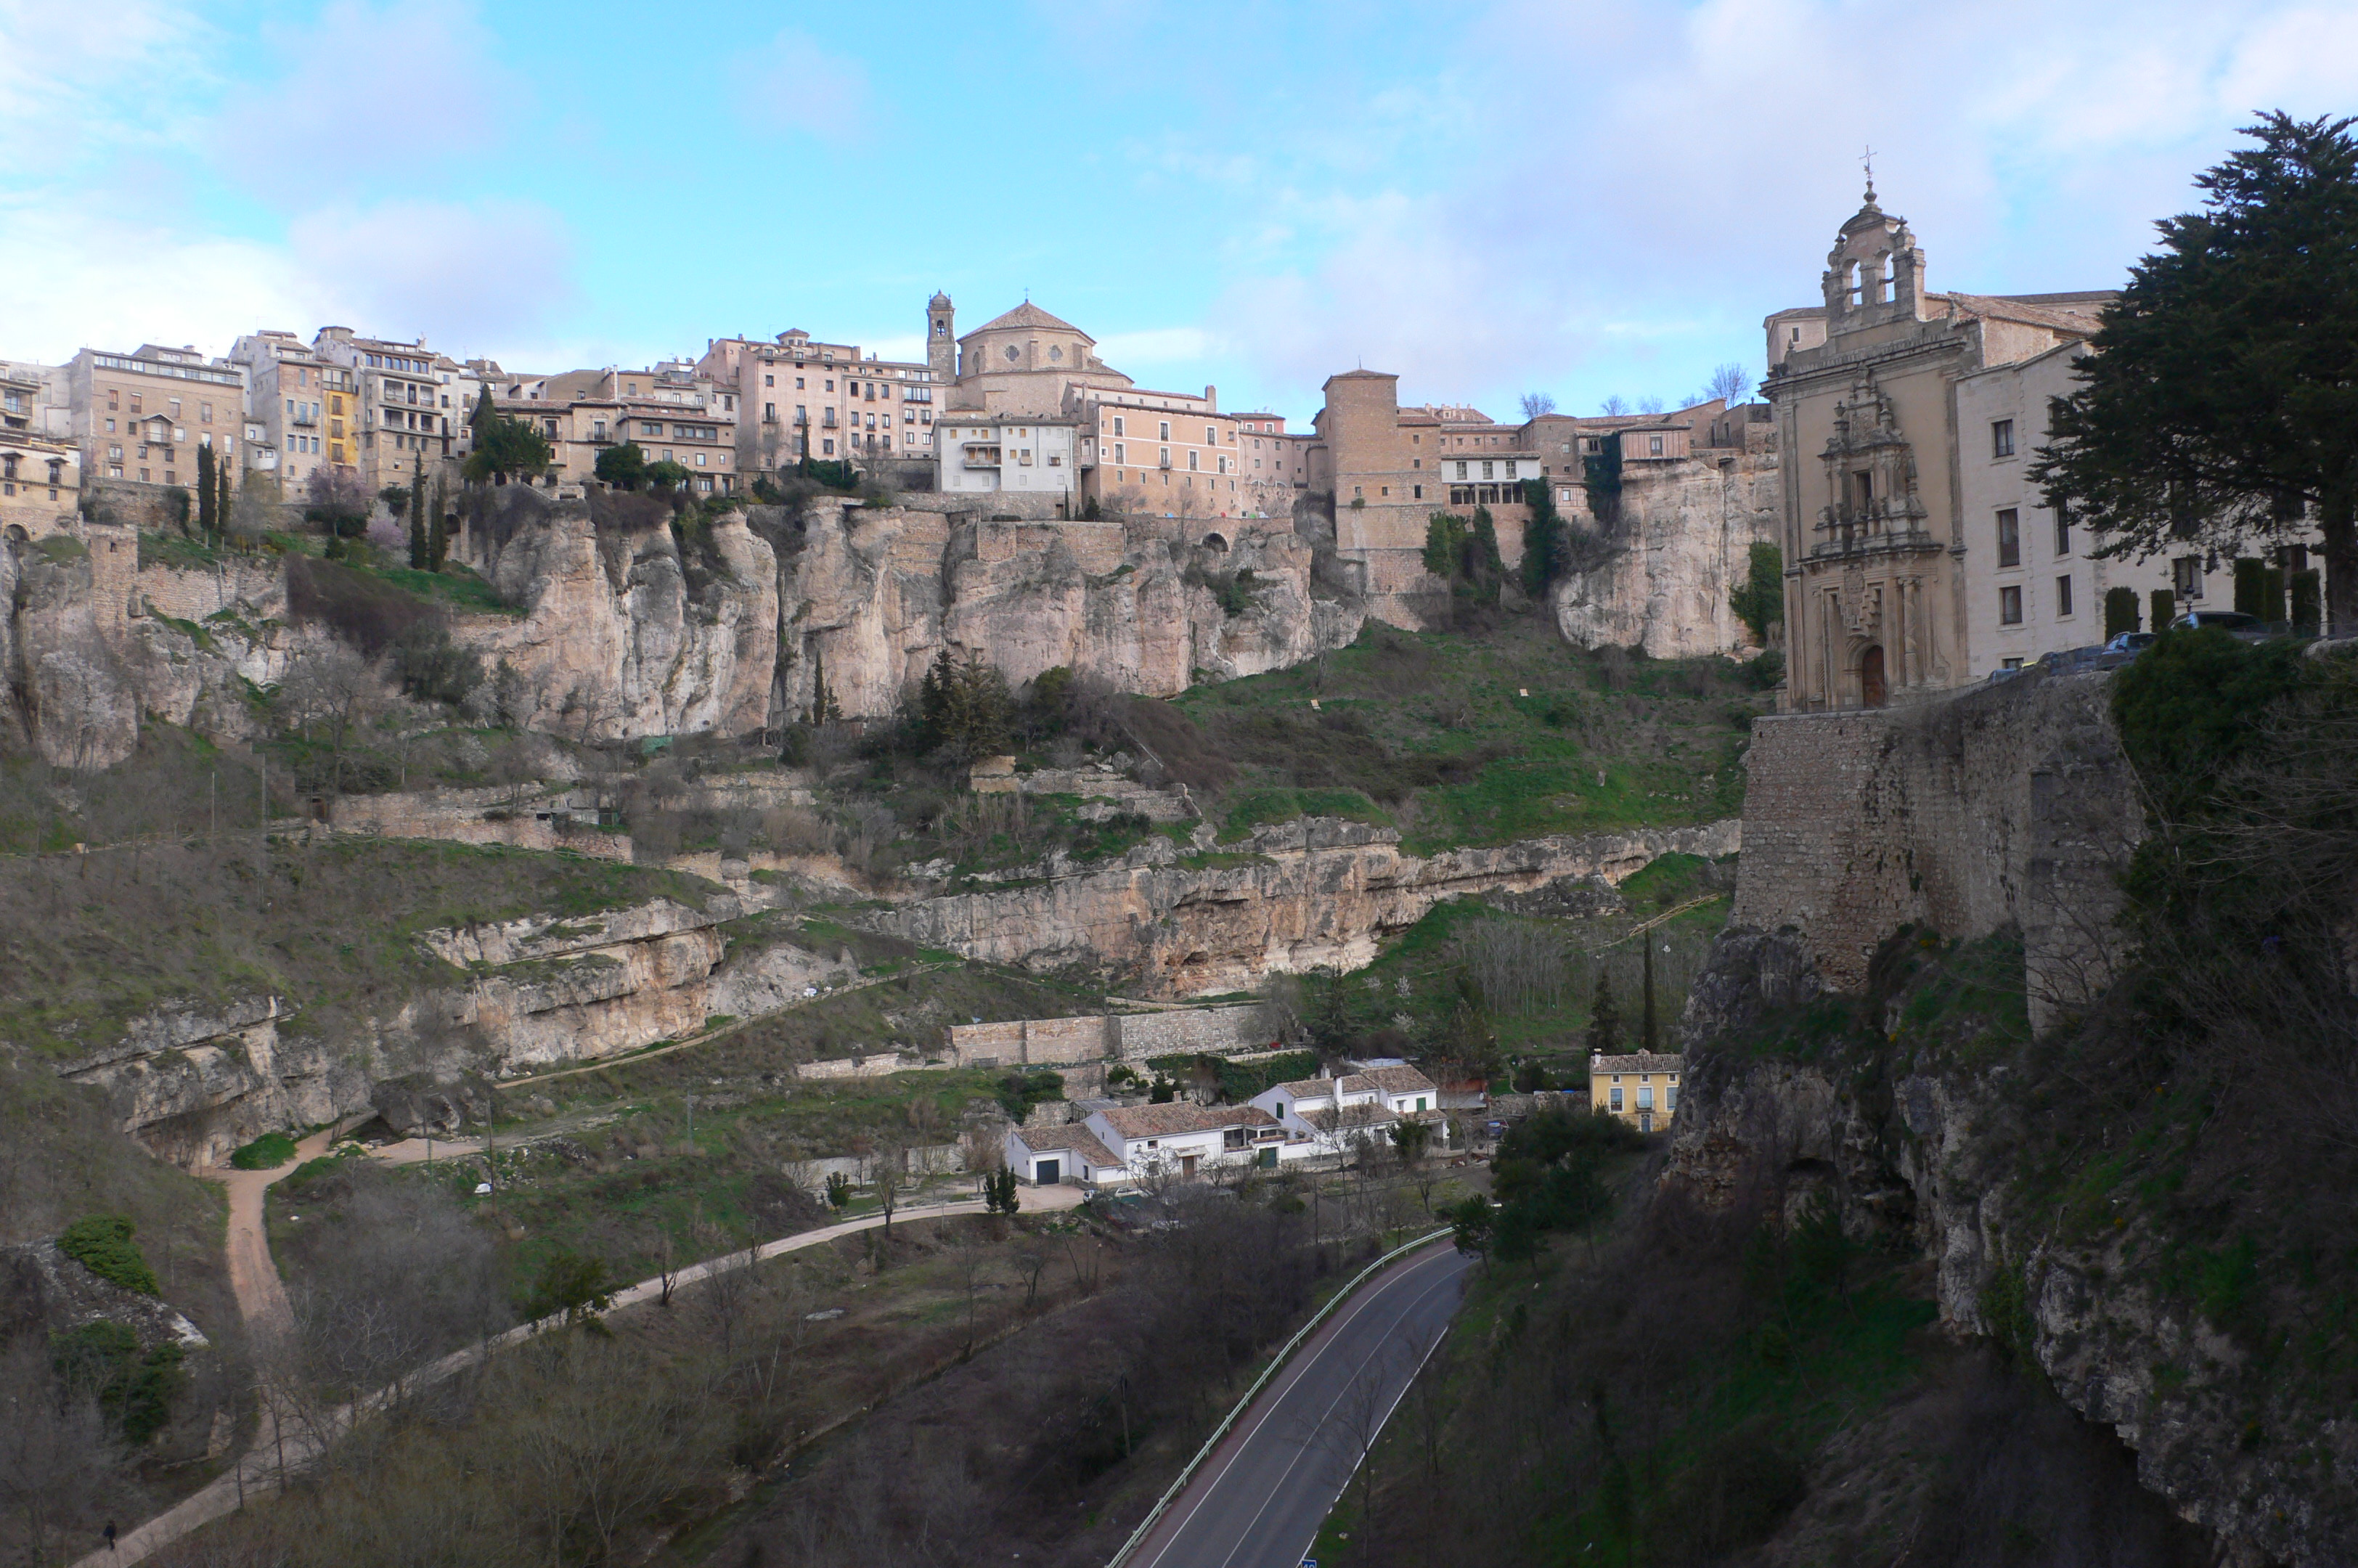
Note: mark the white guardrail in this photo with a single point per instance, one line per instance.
(1277, 1363)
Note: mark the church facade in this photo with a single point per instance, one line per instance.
(1863, 390)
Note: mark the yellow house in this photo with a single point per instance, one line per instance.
(1642, 1090)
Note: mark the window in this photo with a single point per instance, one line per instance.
(2012, 663)
(2185, 576)
(1166, 430)
(1653, 446)
(1117, 448)
(2062, 596)
(1645, 1096)
(798, 384)
(1671, 1097)
(1419, 490)
(2001, 439)
(204, 413)
(1865, 484)
(2062, 532)
(830, 384)
(1211, 437)
(1192, 464)
(2009, 538)
(769, 380)
(1617, 1096)
(1119, 427)
(2009, 606)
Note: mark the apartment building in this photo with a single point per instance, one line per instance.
(40, 473)
(1276, 463)
(140, 417)
(672, 412)
(800, 397)
(287, 391)
(981, 453)
(407, 406)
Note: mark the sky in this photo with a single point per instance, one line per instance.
(1579, 199)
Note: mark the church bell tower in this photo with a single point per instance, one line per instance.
(941, 340)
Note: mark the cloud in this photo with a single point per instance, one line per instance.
(1586, 166)
(460, 273)
(791, 83)
(144, 58)
(320, 125)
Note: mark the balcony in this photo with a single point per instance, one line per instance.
(304, 416)
(982, 457)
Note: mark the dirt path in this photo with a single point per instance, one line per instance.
(252, 1276)
(276, 1453)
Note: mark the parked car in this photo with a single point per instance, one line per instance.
(2235, 622)
(2123, 647)
(2071, 661)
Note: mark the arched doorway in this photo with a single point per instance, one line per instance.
(1871, 692)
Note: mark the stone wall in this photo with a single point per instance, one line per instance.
(2002, 804)
(1065, 1042)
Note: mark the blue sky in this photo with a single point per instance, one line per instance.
(1581, 199)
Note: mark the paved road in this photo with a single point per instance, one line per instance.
(264, 1466)
(1258, 1500)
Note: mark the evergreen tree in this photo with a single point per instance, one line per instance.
(438, 535)
(222, 506)
(1547, 540)
(1603, 1019)
(2221, 397)
(964, 708)
(208, 495)
(421, 550)
(824, 708)
(2120, 611)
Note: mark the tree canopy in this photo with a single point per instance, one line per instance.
(2221, 398)
(505, 446)
(623, 467)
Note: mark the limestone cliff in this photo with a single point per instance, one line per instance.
(873, 594)
(1915, 1149)
(1300, 896)
(194, 1082)
(1681, 535)
(623, 635)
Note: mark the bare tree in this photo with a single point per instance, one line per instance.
(58, 1465)
(1730, 383)
(1616, 405)
(1537, 402)
(889, 1175)
(1649, 405)
(327, 694)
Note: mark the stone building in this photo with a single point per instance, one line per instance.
(286, 392)
(798, 397)
(673, 414)
(1028, 454)
(1878, 548)
(407, 409)
(140, 417)
(40, 473)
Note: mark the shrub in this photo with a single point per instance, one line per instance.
(364, 611)
(2120, 611)
(267, 1152)
(2165, 608)
(134, 1390)
(101, 1243)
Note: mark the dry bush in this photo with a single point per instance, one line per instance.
(1515, 964)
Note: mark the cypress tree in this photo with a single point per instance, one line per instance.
(420, 551)
(438, 531)
(206, 497)
(1603, 1019)
(220, 509)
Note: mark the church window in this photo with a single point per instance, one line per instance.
(2063, 597)
(2001, 439)
(2009, 538)
(1055, 354)
(1013, 352)
(2009, 606)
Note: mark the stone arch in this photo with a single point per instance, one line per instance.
(17, 534)
(1213, 542)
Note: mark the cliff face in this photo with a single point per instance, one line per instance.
(874, 594)
(1300, 896)
(1683, 538)
(193, 1083)
(620, 638)
(1920, 1153)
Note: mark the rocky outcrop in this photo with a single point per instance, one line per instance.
(1919, 1156)
(194, 1082)
(1299, 895)
(623, 637)
(1681, 535)
(874, 594)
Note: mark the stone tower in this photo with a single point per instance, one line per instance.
(941, 340)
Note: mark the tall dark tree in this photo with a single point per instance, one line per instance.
(222, 503)
(421, 551)
(1547, 539)
(505, 446)
(1603, 1019)
(964, 706)
(2221, 398)
(437, 528)
(207, 497)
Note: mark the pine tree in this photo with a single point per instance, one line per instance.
(1604, 1021)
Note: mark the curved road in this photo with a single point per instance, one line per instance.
(1260, 1498)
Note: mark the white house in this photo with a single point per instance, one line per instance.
(1047, 1155)
(1180, 1139)
(975, 452)
(1327, 1116)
